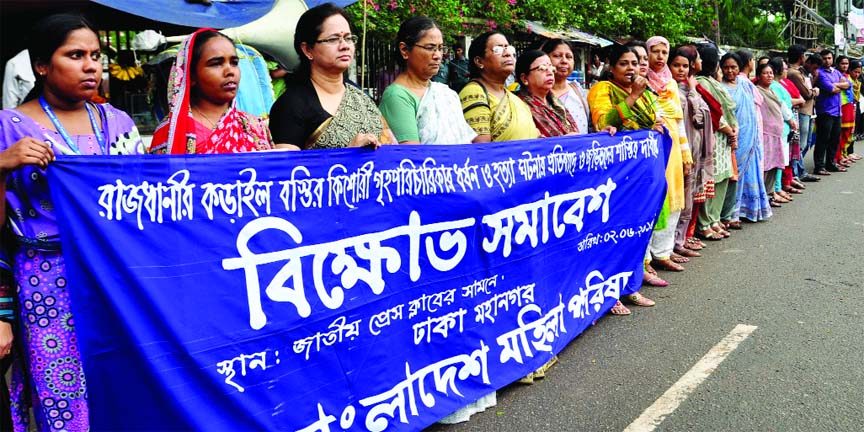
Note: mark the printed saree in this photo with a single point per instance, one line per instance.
(180, 133)
(550, 115)
(357, 114)
(505, 120)
(439, 117)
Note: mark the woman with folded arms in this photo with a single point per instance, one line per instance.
(783, 182)
(774, 115)
(699, 183)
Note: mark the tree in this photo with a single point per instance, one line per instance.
(753, 23)
(674, 19)
(456, 17)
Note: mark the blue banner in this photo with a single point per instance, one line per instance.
(349, 289)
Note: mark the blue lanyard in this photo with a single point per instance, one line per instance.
(62, 131)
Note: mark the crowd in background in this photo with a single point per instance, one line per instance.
(740, 130)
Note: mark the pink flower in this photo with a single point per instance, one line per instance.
(512, 2)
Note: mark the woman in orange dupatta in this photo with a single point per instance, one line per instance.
(201, 91)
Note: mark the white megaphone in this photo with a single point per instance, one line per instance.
(273, 33)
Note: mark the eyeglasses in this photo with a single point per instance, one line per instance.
(432, 48)
(499, 49)
(543, 68)
(349, 39)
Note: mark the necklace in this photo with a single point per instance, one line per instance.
(212, 125)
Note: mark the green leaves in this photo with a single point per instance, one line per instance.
(753, 23)
(744, 22)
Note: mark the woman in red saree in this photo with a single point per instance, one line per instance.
(201, 91)
(536, 76)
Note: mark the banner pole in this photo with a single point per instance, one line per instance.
(363, 47)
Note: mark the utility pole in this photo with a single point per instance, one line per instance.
(841, 14)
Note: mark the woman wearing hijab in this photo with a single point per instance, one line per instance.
(680, 160)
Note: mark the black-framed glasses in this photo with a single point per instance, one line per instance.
(432, 48)
(348, 39)
(543, 68)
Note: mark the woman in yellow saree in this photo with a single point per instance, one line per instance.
(490, 109)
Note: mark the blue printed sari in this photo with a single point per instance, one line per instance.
(751, 196)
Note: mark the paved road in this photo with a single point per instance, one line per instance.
(798, 277)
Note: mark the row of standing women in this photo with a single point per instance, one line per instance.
(713, 126)
(318, 110)
(58, 117)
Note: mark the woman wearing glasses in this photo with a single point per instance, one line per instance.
(319, 109)
(418, 110)
(491, 110)
(536, 76)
